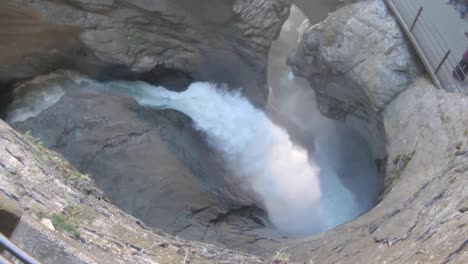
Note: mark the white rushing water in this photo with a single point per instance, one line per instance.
(256, 151)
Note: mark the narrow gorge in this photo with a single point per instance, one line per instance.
(226, 131)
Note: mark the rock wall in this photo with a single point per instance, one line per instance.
(152, 164)
(364, 73)
(423, 217)
(215, 40)
(360, 65)
(66, 219)
(357, 61)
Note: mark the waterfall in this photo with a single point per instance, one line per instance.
(257, 152)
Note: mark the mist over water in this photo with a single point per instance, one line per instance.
(349, 181)
(277, 163)
(256, 151)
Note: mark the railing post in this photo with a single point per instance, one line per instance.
(416, 19)
(442, 61)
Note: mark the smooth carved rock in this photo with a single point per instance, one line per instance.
(222, 41)
(357, 60)
(419, 220)
(151, 164)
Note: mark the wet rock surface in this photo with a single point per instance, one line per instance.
(377, 81)
(357, 60)
(151, 164)
(226, 42)
(363, 73)
(421, 219)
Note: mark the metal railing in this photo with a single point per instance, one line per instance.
(433, 50)
(14, 250)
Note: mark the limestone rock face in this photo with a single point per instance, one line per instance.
(357, 60)
(364, 73)
(151, 164)
(91, 230)
(210, 40)
(423, 217)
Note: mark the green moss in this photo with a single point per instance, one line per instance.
(62, 224)
(75, 176)
(72, 218)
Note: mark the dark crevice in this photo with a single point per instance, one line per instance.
(249, 211)
(171, 79)
(6, 97)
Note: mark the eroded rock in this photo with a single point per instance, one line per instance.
(44, 185)
(361, 67)
(152, 164)
(222, 41)
(419, 219)
(357, 61)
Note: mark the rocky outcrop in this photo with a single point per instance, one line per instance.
(357, 61)
(360, 66)
(151, 164)
(213, 40)
(363, 73)
(77, 224)
(423, 217)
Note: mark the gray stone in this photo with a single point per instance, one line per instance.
(47, 246)
(221, 41)
(357, 61)
(43, 184)
(152, 164)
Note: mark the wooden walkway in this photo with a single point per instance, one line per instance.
(423, 21)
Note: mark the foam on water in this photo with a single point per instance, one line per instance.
(256, 151)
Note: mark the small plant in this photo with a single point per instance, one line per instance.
(281, 257)
(55, 161)
(72, 218)
(458, 148)
(75, 176)
(33, 140)
(37, 145)
(62, 224)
